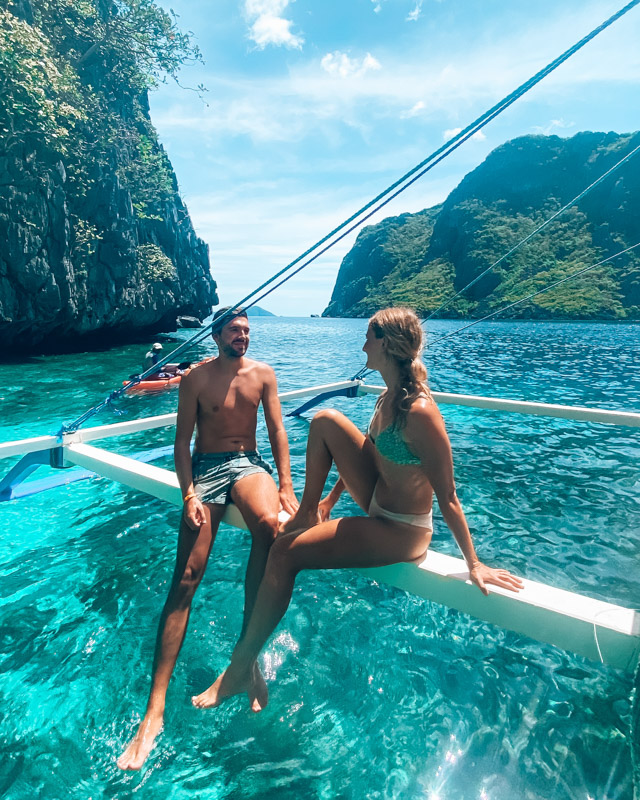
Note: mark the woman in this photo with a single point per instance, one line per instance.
(392, 473)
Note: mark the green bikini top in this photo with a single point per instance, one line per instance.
(390, 444)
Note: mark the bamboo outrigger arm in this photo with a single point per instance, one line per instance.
(591, 628)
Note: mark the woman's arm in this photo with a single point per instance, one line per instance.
(426, 434)
(328, 502)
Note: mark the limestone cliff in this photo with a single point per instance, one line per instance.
(95, 241)
(423, 259)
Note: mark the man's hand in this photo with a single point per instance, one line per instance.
(194, 513)
(288, 500)
(481, 574)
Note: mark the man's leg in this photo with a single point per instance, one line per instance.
(194, 547)
(256, 497)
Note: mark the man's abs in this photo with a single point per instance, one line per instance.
(226, 429)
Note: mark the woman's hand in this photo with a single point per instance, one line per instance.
(481, 574)
(194, 513)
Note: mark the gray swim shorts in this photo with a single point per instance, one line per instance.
(215, 474)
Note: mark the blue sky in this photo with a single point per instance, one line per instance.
(314, 106)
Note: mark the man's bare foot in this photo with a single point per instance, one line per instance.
(140, 746)
(258, 692)
(224, 686)
(300, 521)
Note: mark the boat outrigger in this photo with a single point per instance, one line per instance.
(591, 628)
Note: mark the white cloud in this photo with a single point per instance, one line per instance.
(416, 109)
(357, 94)
(414, 14)
(553, 127)
(377, 5)
(268, 26)
(478, 136)
(339, 65)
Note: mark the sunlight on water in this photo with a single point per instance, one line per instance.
(374, 693)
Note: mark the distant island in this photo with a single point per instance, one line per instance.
(256, 311)
(423, 259)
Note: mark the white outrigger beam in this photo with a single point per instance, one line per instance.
(591, 628)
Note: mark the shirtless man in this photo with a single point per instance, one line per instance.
(220, 398)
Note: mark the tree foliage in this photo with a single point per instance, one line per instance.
(73, 87)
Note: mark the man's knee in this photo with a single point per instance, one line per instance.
(265, 528)
(186, 584)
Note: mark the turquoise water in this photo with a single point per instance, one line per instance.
(374, 693)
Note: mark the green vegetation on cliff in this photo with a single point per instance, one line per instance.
(75, 81)
(89, 202)
(421, 260)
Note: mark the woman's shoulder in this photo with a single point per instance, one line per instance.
(423, 413)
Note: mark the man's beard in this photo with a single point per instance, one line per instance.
(229, 351)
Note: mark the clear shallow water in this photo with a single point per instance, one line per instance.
(374, 693)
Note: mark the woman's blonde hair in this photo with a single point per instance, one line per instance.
(405, 339)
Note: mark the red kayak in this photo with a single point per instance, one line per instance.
(159, 384)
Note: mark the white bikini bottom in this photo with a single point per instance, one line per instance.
(419, 520)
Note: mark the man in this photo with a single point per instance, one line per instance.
(220, 398)
(153, 356)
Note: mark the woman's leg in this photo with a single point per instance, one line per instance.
(333, 438)
(348, 542)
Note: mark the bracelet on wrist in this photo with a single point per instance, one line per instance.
(189, 496)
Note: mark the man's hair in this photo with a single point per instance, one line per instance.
(229, 313)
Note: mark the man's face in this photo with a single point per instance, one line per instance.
(233, 339)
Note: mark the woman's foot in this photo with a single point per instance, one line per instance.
(300, 521)
(258, 693)
(140, 746)
(233, 682)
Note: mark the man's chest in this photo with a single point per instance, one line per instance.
(240, 395)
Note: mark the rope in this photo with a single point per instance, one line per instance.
(534, 232)
(363, 372)
(534, 294)
(376, 204)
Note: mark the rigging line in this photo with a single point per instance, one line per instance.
(533, 294)
(221, 320)
(533, 233)
(448, 147)
(436, 157)
(363, 219)
(363, 372)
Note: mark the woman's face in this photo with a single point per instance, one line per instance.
(374, 348)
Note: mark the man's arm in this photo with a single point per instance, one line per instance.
(185, 424)
(428, 437)
(279, 442)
